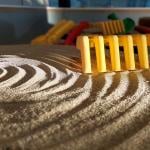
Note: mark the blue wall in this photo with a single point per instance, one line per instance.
(10, 2)
(21, 25)
(80, 3)
(24, 2)
(105, 3)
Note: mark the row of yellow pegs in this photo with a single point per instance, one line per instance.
(114, 42)
(55, 33)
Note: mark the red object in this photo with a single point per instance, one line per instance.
(75, 32)
(142, 29)
(144, 21)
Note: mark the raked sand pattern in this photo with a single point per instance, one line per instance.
(46, 103)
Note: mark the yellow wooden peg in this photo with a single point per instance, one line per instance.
(56, 27)
(107, 28)
(103, 28)
(122, 26)
(141, 42)
(113, 43)
(83, 44)
(148, 39)
(41, 39)
(100, 53)
(115, 26)
(67, 26)
(127, 42)
(111, 27)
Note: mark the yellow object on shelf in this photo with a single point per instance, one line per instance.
(100, 53)
(141, 42)
(61, 31)
(83, 43)
(110, 27)
(114, 42)
(55, 33)
(56, 27)
(42, 39)
(127, 42)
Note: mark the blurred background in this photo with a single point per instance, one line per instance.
(23, 20)
(80, 3)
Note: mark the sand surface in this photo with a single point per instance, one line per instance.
(47, 103)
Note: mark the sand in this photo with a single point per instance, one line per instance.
(47, 103)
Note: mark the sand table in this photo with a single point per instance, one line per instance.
(47, 103)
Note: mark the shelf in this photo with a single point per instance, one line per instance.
(17, 7)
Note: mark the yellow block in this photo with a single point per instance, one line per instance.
(100, 53)
(107, 28)
(121, 26)
(65, 28)
(84, 45)
(141, 42)
(111, 27)
(56, 27)
(42, 39)
(113, 43)
(127, 42)
(52, 39)
(103, 27)
(114, 24)
(148, 39)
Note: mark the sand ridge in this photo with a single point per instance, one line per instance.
(47, 103)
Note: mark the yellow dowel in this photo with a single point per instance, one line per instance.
(100, 53)
(141, 42)
(44, 39)
(108, 28)
(56, 27)
(60, 32)
(115, 26)
(41, 39)
(84, 45)
(122, 26)
(111, 27)
(127, 42)
(104, 29)
(148, 39)
(53, 39)
(114, 52)
(65, 28)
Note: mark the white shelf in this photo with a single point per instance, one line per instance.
(76, 9)
(92, 14)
